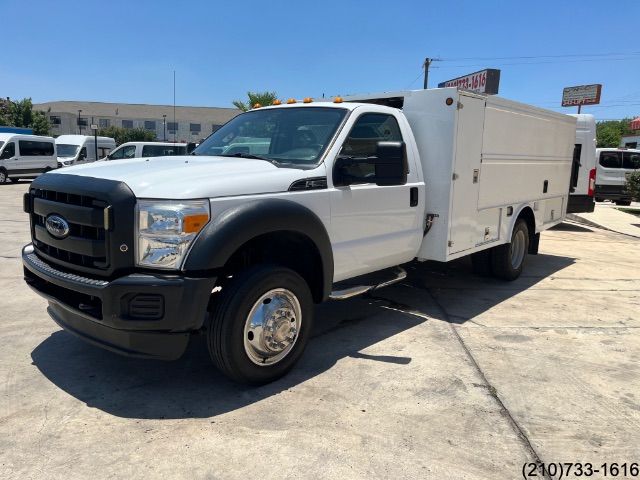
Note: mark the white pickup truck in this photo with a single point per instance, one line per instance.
(137, 255)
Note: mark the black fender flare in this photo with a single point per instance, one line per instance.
(234, 227)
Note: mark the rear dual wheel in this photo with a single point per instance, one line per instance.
(504, 261)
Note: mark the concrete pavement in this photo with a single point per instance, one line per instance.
(610, 217)
(446, 376)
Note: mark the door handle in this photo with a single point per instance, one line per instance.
(413, 197)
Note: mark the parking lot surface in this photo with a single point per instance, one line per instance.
(447, 375)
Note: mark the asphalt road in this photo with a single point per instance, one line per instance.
(448, 375)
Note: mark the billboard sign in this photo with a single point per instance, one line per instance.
(581, 95)
(485, 81)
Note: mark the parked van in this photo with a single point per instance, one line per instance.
(73, 149)
(25, 156)
(612, 167)
(583, 173)
(147, 149)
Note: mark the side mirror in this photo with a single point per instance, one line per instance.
(387, 167)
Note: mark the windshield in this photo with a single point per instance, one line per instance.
(296, 136)
(65, 150)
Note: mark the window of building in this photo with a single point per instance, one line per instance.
(104, 123)
(55, 120)
(82, 122)
(127, 123)
(32, 148)
(149, 125)
(172, 126)
(195, 128)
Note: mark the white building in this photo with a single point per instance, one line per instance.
(191, 124)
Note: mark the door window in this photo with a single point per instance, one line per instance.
(363, 139)
(116, 154)
(129, 151)
(631, 160)
(32, 148)
(9, 151)
(610, 160)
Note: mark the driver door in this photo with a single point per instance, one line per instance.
(373, 227)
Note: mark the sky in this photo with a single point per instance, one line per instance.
(127, 51)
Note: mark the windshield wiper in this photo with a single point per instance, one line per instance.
(250, 156)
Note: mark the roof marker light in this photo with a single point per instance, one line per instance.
(257, 105)
(337, 100)
(276, 102)
(291, 100)
(307, 100)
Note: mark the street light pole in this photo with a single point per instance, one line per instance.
(164, 127)
(79, 126)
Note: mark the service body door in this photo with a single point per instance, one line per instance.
(464, 233)
(374, 227)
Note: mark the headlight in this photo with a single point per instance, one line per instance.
(166, 230)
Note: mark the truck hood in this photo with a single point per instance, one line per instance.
(183, 177)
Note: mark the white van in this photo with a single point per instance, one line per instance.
(147, 149)
(612, 167)
(25, 156)
(583, 173)
(73, 149)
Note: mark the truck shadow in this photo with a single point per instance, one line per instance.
(192, 388)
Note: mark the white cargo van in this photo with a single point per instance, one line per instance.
(612, 168)
(74, 149)
(239, 246)
(583, 173)
(147, 149)
(25, 156)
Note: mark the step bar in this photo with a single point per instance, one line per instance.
(399, 274)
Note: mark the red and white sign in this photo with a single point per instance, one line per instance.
(581, 95)
(485, 81)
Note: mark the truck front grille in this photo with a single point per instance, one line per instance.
(86, 243)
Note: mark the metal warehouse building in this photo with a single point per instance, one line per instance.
(192, 124)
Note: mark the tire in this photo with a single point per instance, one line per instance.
(507, 261)
(481, 262)
(3, 176)
(14, 179)
(623, 203)
(598, 199)
(253, 355)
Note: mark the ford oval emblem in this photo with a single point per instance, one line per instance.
(57, 226)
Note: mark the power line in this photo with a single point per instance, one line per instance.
(541, 56)
(545, 62)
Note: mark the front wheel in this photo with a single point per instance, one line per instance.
(260, 325)
(507, 261)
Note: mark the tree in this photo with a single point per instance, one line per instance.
(262, 98)
(22, 114)
(123, 135)
(633, 185)
(609, 133)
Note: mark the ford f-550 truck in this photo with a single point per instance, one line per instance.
(286, 206)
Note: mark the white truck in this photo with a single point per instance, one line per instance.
(137, 255)
(76, 149)
(583, 173)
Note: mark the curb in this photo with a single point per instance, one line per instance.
(575, 218)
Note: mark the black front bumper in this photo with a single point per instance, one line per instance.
(142, 315)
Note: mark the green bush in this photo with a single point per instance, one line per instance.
(633, 185)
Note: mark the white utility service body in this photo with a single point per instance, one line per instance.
(483, 160)
(241, 245)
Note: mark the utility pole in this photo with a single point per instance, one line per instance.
(427, 63)
(79, 125)
(164, 127)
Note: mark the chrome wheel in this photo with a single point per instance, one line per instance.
(518, 245)
(272, 327)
